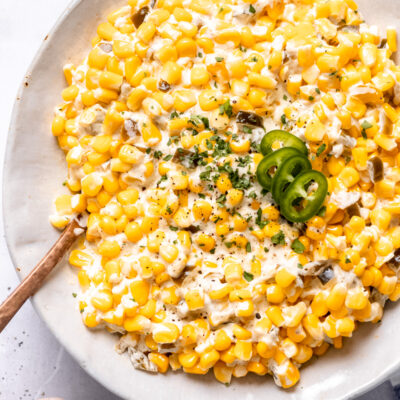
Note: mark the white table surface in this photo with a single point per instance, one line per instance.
(32, 363)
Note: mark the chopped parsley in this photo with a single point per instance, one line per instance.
(259, 220)
(74, 295)
(248, 276)
(226, 108)
(197, 120)
(157, 154)
(168, 157)
(252, 9)
(221, 200)
(219, 59)
(283, 119)
(173, 115)
(321, 149)
(248, 247)
(173, 228)
(365, 125)
(278, 238)
(247, 129)
(297, 246)
(162, 179)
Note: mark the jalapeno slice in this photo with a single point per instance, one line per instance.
(301, 201)
(286, 139)
(269, 165)
(287, 173)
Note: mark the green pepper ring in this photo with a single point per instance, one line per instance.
(286, 138)
(287, 173)
(298, 190)
(274, 159)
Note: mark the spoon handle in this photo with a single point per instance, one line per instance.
(36, 277)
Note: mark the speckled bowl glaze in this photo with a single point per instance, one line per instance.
(34, 171)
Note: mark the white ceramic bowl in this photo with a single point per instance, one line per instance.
(34, 172)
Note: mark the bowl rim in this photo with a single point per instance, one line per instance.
(71, 6)
(6, 174)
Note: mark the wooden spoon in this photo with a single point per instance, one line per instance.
(36, 277)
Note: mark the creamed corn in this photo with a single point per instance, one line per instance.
(185, 257)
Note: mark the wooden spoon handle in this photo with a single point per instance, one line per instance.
(35, 279)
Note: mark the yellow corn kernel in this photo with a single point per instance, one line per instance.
(91, 184)
(220, 293)
(130, 154)
(223, 183)
(275, 294)
(345, 326)
(188, 359)
(381, 218)
(109, 248)
(336, 297)
(315, 130)
(136, 98)
(209, 99)
(184, 99)
(201, 210)
(265, 350)
(349, 176)
(294, 314)
(243, 350)
(133, 232)
(262, 81)
(391, 35)
(160, 360)
(136, 323)
(169, 252)
(194, 299)
(79, 259)
(140, 291)
(383, 246)
(383, 81)
(199, 75)
(189, 334)
(91, 319)
(385, 188)
(356, 299)
(296, 333)
(313, 326)
(106, 31)
(205, 242)
(233, 271)
(222, 340)
(209, 359)
(234, 197)
(245, 308)
(222, 372)
(274, 313)
(303, 355)
(151, 134)
(271, 229)
(102, 300)
(166, 332)
(284, 278)
(171, 73)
